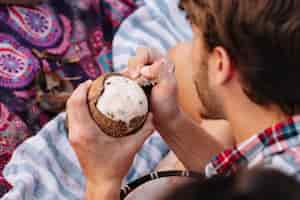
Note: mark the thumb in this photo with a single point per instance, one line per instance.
(152, 72)
(77, 108)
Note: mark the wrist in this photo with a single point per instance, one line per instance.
(172, 122)
(103, 189)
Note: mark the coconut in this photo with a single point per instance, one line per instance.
(118, 104)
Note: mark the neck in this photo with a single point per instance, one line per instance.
(248, 119)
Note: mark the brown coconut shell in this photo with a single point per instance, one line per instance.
(109, 126)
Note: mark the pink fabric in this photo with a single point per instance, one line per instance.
(76, 33)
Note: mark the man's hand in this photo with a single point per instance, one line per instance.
(105, 160)
(144, 56)
(192, 143)
(150, 65)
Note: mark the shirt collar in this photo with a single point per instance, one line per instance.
(273, 140)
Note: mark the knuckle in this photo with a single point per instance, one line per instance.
(75, 140)
(73, 102)
(77, 136)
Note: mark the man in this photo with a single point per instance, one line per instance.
(245, 67)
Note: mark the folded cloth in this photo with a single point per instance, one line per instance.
(160, 24)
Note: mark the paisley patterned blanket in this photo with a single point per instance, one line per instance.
(45, 52)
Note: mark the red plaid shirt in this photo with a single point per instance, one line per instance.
(276, 147)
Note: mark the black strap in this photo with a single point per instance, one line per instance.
(127, 189)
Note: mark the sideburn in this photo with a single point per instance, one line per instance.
(211, 107)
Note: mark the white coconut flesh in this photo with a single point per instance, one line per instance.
(122, 100)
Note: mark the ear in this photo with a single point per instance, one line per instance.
(221, 70)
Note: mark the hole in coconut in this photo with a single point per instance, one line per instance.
(111, 115)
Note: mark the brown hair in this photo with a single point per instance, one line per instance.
(263, 39)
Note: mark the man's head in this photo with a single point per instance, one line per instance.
(248, 48)
(257, 184)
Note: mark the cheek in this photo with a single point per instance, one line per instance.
(198, 58)
(195, 58)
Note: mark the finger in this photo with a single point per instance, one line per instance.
(77, 106)
(159, 71)
(134, 142)
(146, 56)
(168, 73)
(142, 56)
(152, 72)
(154, 55)
(134, 72)
(136, 62)
(125, 72)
